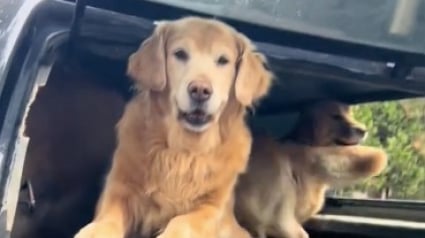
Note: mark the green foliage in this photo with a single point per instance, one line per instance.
(395, 126)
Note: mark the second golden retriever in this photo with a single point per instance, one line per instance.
(286, 181)
(183, 140)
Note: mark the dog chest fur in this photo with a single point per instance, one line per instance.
(168, 181)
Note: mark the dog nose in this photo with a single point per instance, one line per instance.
(199, 91)
(360, 131)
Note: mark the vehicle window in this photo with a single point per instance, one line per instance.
(399, 128)
(396, 24)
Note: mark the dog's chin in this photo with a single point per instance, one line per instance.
(195, 121)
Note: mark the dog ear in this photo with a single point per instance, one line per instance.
(147, 66)
(253, 79)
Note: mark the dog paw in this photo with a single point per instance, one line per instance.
(100, 230)
(303, 234)
(293, 230)
(179, 228)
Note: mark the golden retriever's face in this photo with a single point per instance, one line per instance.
(201, 67)
(331, 123)
(200, 63)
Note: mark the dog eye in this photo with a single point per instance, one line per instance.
(222, 60)
(181, 55)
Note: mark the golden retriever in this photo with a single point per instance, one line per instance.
(286, 181)
(183, 140)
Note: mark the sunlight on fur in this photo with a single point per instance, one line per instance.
(322, 151)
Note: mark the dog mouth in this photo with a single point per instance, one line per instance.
(346, 142)
(196, 120)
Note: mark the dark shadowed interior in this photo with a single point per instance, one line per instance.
(71, 129)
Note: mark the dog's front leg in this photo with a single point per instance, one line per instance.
(203, 221)
(109, 221)
(229, 226)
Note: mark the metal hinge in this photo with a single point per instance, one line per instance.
(75, 28)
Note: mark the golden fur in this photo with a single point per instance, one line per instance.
(174, 168)
(286, 181)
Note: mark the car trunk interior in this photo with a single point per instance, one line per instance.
(71, 123)
(71, 127)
